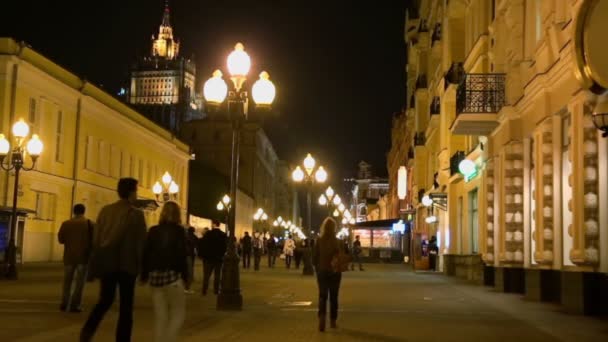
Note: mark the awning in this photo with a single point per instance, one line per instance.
(376, 224)
(20, 211)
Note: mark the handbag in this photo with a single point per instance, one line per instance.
(340, 261)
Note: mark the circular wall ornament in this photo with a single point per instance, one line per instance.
(590, 52)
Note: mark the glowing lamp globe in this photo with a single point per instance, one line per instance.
(34, 146)
(298, 174)
(157, 189)
(341, 207)
(263, 90)
(167, 179)
(275, 223)
(427, 201)
(226, 199)
(309, 163)
(173, 188)
(336, 213)
(337, 200)
(467, 167)
(323, 200)
(352, 221)
(264, 217)
(344, 221)
(321, 175)
(220, 206)
(329, 192)
(5, 146)
(239, 61)
(21, 129)
(256, 216)
(215, 89)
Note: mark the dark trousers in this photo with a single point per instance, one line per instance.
(257, 257)
(246, 259)
(329, 286)
(432, 261)
(356, 260)
(73, 284)
(298, 258)
(126, 285)
(288, 260)
(215, 267)
(272, 258)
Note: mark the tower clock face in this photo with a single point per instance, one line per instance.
(589, 45)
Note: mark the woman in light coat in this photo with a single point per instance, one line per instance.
(288, 250)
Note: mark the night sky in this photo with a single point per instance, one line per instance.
(338, 65)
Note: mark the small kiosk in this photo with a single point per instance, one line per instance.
(383, 240)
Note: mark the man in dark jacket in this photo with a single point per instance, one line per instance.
(213, 248)
(246, 247)
(271, 247)
(118, 243)
(191, 246)
(76, 235)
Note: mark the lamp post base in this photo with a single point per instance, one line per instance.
(230, 298)
(308, 269)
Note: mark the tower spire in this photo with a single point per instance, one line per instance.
(166, 17)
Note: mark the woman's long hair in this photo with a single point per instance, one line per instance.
(328, 229)
(171, 214)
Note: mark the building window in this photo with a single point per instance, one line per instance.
(566, 191)
(32, 112)
(59, 138)
(45, 206)
(538, 20)
(474, 221)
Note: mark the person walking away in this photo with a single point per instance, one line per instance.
(76, 234)
(271, 247)
(214, 244)
(288, 250)
(433, 251)
(357, 254)
(299, 252)
(191, 246)
(118, 243)
(166, 269)
(246, 247)
(326, 249)
(258, 250)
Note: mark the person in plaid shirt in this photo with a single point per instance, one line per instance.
(165, 268)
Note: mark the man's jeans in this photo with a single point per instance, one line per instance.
(126, 284)
(211, 267)
(73, 283)
(169, 310)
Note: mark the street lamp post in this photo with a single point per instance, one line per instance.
(309, 175)
(16, 162)
(215, 92)
(261, 217)
(225, 205)
(166, 191)
(328, 198)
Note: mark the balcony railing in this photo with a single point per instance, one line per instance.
(435, 106)
(455, 160)
(481, 93)
(419, 139)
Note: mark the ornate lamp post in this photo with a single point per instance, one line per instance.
(166, 191)
(310, 176)
(16, 161)
(224, 205)
(328, 198)
(215, 92)
(261, 217)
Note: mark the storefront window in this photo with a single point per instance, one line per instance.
(474, 221)
(566, 192)
(364, 236)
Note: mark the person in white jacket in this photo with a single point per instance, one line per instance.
(288, 250)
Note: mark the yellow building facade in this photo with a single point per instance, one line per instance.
(494, 84)
(91, 140)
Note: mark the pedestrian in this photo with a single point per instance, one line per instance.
(118, 243)
(271, 247)
(213, 244)
(288, 250)
(191, 245)
(299, 252)
(258, 249)
(357, 254)
(433, 251)
(325, 256)
(76, 234)
(165, 268)
(246, 248)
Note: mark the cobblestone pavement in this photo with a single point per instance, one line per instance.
(383, 303)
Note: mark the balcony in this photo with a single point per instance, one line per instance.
(436, 34)
(455, 160)
(479, 98)
(436, 106)
(421, 82)
(419, 139)
(455, 74)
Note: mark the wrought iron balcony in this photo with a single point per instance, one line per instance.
(436, 106)
(478, 98)
(419, 139)
(455, 160)
(421, 82)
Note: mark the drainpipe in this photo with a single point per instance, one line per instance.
(76, 144)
